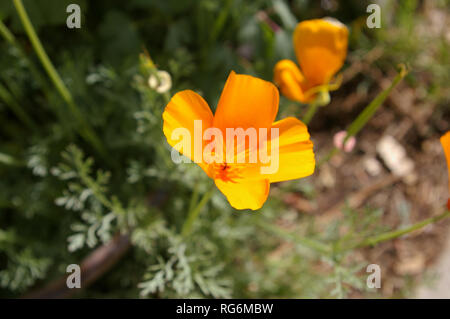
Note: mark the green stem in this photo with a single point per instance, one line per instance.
(9, 37)
(7, 159)
(367, 113)
(6, 34)
(16, 108)
(306, 242)
(220, 21)
(194, 198)
(86, 132)
(370, 110)
(312, 109)
(37, 45)
(194, 213)
(88, 181)
(371, 241)
(330, 154)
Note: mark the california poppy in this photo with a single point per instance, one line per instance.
(321, 47)
(445, 141)
(246, 103)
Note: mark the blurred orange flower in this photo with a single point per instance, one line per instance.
(246, 103)
(445, 141)
(321, 47)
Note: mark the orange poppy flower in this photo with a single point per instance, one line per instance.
(246, 103)
(321, 47)
(445, 141)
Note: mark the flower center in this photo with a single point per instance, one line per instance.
(226, 172)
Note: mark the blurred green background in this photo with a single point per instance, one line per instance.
(61, 197)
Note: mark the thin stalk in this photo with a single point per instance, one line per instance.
(98, 192)
(16, 107)
(10, 38)
(330, 154)
(86, 132)
(370, 110)
(322, 98)
(43, 57)
(194, 198)
(7, 159)
(367, 113)
(6, 34)
(306, 242)
(312, 109)
(371, 241)
(194, 213)
(220, 21)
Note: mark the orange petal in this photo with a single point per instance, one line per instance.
(296, 156)
(183, 109)
(445, 141)
(321, 47)
(245, 194)
(290, 80)
(246, 102)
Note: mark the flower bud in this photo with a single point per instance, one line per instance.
(339, 138)
(161, 82)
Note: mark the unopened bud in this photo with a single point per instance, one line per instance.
(339, 138)
(161, 82)
(323, 98)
